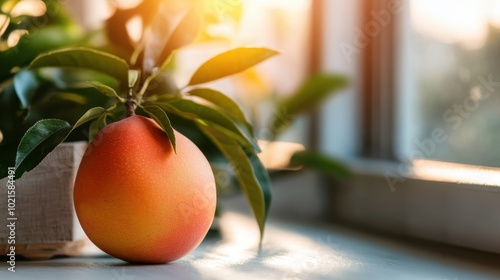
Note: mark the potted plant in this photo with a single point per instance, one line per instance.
(141, 85)
(27, 29)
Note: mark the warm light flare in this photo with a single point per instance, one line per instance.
(293, 253)
(454, 172)
(4, 23)
(277, 155)
(8, 6)
(15, 36)
(453, 21)
(495, 15)
(34, 8)
(134, 28)
(282, 4)
(125, 4)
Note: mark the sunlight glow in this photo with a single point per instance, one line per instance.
(263, 23)
(33, 8)
(134, 28)
(239, 243)
(455, 21)
(126, 4)
(286, 251)
(15, 36)
(454, 172)
(277, 155)
(495, 15)
(4, 23)
(282, 4)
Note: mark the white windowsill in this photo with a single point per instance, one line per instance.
(300, 247)
(290, 251)
(448, 203)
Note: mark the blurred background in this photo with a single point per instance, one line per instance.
(416, 68)
(235, 24)
(455, 45)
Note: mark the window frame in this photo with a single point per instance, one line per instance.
(386, 192)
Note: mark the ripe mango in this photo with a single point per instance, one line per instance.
(137, 199)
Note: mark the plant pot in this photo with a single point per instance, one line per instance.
(46, 223)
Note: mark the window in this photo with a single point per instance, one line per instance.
(457, 46)
(424, 79)
(426, 72)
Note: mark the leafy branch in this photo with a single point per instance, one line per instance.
(220, 118)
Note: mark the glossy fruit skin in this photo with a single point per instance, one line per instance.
(139, 201)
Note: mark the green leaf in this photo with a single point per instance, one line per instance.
(43, 137)
(320, 163)
(248, 143)
(159, 115)
(89, 115)
(102, 88)
(170, 29)
(161, 85)
(310, 94)
(263, 178)
(39, 40)
(26, 84)
(211, 115)
(96, 125)
(84, 58)
(133, 77)
(38, 142)
(229, 63)
(245, 174)
(224, 103)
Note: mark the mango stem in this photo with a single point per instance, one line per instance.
(130, 104)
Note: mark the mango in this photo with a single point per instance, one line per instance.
(137, 199)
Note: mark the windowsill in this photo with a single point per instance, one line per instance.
(447, 203)
(300, 245)
(289, 251)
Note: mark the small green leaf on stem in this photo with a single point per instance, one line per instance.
(38, 141)
(84, 58)
(102, 88)
(223, 102)
(161, 87)
(216, 117)
(89, 115)
(43, 137)
(229, 63)
(96, 125)
(163, 121)
(133, 77)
